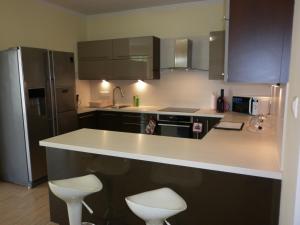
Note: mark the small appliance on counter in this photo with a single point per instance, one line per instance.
(251, 105)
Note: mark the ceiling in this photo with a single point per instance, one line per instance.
(90, 7)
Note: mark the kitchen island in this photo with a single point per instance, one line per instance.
(229, 177)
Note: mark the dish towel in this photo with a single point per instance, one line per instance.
(150, 128)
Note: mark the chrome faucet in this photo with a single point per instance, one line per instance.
(114, 94)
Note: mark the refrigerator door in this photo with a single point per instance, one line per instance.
(38, 108)
(13, 163)
(63, 72)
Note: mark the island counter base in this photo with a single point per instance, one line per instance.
(213, 198)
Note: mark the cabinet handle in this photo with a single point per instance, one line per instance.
(138, 124)
(108, 114)
(172, 125)
(86, 116)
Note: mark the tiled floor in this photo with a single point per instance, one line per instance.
(20, 206)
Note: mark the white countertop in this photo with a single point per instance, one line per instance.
(154, 110)
(240, 152)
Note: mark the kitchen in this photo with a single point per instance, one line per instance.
(190, 87)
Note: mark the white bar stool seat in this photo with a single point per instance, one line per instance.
(72, 191)
(154, 207)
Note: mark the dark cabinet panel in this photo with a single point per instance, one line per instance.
(120, 59)
(132, 68)
(213, 198)
(259, 40)
(95, 69)
(216, 55)
(109, 121)
(132, 122)
(95, 49)
(87, 120)
(125, 47)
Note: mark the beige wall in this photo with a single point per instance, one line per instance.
(34, 23)
(177, 88)
(190, 89)
(290, 202)
(190, 19)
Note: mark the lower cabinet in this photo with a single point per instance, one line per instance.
(137, 122)
(87, 120)
(123, 122)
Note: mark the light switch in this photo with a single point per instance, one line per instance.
(295, 107)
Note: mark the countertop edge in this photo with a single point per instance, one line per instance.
(158, 159)
(150, 111)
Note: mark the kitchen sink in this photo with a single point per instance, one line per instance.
(116, 106)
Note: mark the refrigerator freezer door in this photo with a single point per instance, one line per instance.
(63, 71)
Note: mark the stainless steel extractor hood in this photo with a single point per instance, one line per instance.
(183, 54)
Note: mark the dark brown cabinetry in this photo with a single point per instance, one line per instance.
(120, 59)
(259, 41)
(216, 55)
(87, 120)
(123, 122)
(137, 122)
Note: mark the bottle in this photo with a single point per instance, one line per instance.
(137, 101)
(221, 103)
(134, 100)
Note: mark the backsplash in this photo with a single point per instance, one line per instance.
(175, 88)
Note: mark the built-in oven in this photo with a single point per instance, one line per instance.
(175, 126)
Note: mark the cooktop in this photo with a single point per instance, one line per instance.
(175, 109)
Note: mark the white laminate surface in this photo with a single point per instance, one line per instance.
(154, 110)
(240, 152)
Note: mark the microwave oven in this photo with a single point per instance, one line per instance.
(251, 105)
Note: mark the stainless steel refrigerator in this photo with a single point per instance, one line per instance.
(37, 101)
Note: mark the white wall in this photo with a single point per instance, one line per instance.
(190, 89)
(290, 198)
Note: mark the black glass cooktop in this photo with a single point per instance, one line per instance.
(175, 109)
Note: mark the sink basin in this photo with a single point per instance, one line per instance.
(116, 106)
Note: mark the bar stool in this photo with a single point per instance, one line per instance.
(72, 191)
(156, 206)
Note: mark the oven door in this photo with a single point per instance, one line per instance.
(174, 129)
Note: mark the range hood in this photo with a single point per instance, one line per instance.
(183, 54)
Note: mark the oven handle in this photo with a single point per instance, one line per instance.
(173, 125)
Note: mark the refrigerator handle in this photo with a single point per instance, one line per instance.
(56, 123)
(51, 89)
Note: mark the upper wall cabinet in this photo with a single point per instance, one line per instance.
(259, 41)
(120, 59)
(125, 47)
(216, 55)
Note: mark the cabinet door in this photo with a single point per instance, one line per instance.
(131, 122)
(259, 34)
(133, 68)
(95, 69)
(109, 121)
(216, 55)
(95, 49)
(87, 120)
(140, 46)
